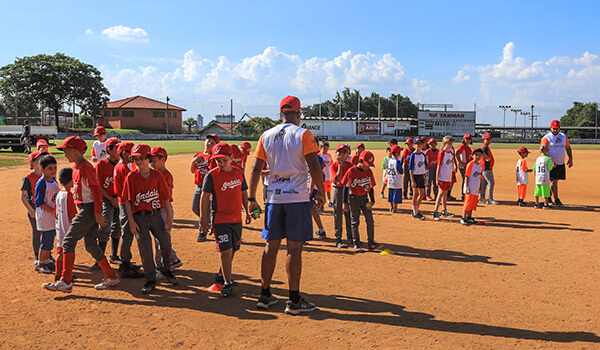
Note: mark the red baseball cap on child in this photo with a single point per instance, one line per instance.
(360, 144)
(290, 104)
(432, 140)
(141, 150)
(113, 141)
(368, 158)
(125, 146)
(523, 150)
(221, 150)
(468, 136)
(159, 152)
(342, 147)
(41, 142)
(99, 130)
(555, 124)
(246, 146)
(214, 137)
(75, 142)
(409, 140)
(236, 152)
(35, 155)
(396, 149)
(487, 135)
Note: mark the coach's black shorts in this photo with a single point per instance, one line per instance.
(558, 173)
(228, 236)
(419, 181)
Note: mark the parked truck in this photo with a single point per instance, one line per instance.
(10, 136)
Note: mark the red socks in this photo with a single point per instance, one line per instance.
(59, 262)
(68, 263)
(108, 271)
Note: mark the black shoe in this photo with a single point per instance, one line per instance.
(550, 202)
(545, 206)
(201, 237)
(176, 264)
(538, 205)
(472, 221)
(373, 246)
(297, 308)
(558, 202)
(341, 245)
(522, 204)
(219, 279)
(170, 276)
(126, 270)
(265, 301)
(418, 216)
(451, 198)
(115, 260)
(227, 289)
(148, 287)
(95, 267)
(436, 215)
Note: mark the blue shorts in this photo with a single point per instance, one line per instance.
(313, 195)
(292, 221)
(395, 195)
(47, 239)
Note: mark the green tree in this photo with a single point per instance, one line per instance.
(190, 123)
(54, 80)
(581, 114)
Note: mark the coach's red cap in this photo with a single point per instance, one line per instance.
(396, 149)
(409, 140)
(523, 150)
(555, 124)
(75, 142)
(487, 135)
(35, 155)
(125, 147)
(41, 142)
(360, 144)
(468, 136)
(247, 146)
(159, 152)
(432, 140)
(221, 150)
(290, 104)
(214, 137)
(343, 147)
(368, 158)
(113, 141)
(99, 130)
(141, 150)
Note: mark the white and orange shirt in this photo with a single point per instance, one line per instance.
(64, 211)
(473, 173)
(446, 164)
(556, 146)
(327, 160)
(521, 172)
(284, 147)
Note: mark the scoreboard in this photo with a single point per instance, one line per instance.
(442, 123)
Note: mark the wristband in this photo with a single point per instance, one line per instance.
(251, 199)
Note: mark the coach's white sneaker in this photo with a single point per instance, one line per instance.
(107, 282)
(59, 286)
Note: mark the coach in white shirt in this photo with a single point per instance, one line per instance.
(558, 145)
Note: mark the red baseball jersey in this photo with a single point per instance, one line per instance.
(244, 160)
(359, 181)
(406, 154)
(203, 167)
(464, 154)
(119, 175)
(334, 170)
(355, 159)
(169, 179)
(145, 193)
(105, 170)
(29, 182)
(86, 188)
(487, 165)
(226, 189)
(432, 157)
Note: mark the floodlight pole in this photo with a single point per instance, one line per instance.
(167, 116)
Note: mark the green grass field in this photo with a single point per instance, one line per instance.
(4, 163)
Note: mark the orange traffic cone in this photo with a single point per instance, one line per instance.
(216, 288)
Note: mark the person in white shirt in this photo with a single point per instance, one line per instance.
(558, 144)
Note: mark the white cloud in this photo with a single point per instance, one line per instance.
(89, 32)
(123, 33)
(555, 82)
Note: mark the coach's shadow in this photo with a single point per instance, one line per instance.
(532, 225)
(377, 312)
(187, 295)
(185, 224)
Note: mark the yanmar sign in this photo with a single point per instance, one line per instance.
(368, 128)
(453, 115)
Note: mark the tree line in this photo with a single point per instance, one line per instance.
(581, 114)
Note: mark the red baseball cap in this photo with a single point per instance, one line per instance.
(75, 142)
(247, 146)
(125, 146)
(221, 150)
(468, 136)
(99, 130)
(396, 149)
(290, 104)
(35, 155)
(424, 139)
(555, 124)
(159, 151)
(236, 151)
(343, 147)
(141, 150)
(41, 142)
(368, 158)
(360, 144)
(409, 140)
(113, 141)
(523, 149)
(432, 140)
(487, 135)
(214, 137)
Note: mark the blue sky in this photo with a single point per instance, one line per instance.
(202, 54)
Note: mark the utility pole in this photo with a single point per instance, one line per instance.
(504, 108)
(231, 117)
(596, 122)
(319, 107)
(16, 105)
(167, 116)
(524, 114)
(515, 111)
(396, 108)
(532, 117)
(358, 110)
(379, 108)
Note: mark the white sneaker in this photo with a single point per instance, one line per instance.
(492, 202)
(59, 286)
(330, 204)
(107, 282)
(482, 200)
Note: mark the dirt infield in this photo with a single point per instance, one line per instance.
(528, 279)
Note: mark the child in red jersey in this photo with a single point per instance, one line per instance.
(359, 182)
(406, 184)
(159, 160)
(327, 160)
(88, 197)
(28, 197)
(360, 148)
(228, 188)
(145, 193)
(445, 174)
(105, 169)
(65, 211)
(200, 166)
(431, 153)
(237, 157)
(246, 147)
(341, 216)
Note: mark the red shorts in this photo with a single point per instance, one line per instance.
(470, 202)
(327, 185)
(444, 185)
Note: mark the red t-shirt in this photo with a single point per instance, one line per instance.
(355, 159)
(244, 160)
(359, 181)
(334, 170)
(203, 167)
(119, 175)
(86, 188)
(432, 157)
(105, 170)
(405, 155)
(484, 163)
(169, 179)
(32, 179)
(226, 188)
(463, 152)
(145, 193)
